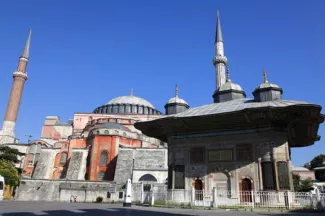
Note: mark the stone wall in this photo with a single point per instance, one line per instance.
(45, 165)
(60, 190)
(133, 162)
(269, 146)
(124, 166)
(77, 164)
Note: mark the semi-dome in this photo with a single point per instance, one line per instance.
(176, 100)
(228, 91)
(130, 99)
(267, 91)
(128, 105)
(230, 86)
(175, 104)
(268, 85)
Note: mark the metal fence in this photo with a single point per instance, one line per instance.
(229, 199)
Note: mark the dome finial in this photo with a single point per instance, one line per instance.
(264, 74)
(228, 75)
(131, 92)
(176, 91)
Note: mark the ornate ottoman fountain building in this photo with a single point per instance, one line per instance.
(235, 143)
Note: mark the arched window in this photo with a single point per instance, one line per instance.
(106, 132)
(103, 158)
(30, 160)
(63, 158)
(101, 175)
(148, 178)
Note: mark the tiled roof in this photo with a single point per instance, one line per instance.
(233, 106)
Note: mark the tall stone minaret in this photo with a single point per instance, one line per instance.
(7, 134)
(219, 60)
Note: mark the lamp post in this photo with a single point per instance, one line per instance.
(29, 136)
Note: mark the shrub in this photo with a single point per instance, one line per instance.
(99, 199)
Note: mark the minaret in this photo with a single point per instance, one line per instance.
(219, 60)
(7, 134)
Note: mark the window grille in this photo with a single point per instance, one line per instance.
(197, 154)
(268, 175)
(220, 155)
(283, 175)
(103, 158)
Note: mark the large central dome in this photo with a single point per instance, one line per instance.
(128, 105)
(131, 99)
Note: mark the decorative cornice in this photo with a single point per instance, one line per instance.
(20, 74)
(220, 59)
(23, 59)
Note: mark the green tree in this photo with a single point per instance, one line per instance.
(8, 158)
(296, 182)
(9, 172)
(302, 185)
(306, 185)
(317, 161)
(10, 154)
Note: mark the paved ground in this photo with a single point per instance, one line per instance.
(13, 208)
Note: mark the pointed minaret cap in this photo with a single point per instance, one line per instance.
(265, 77)
(25, 53)
(218, 30)
(131, 92)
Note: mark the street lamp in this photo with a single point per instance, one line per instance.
(29, 136)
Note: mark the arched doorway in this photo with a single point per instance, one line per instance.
(147, 181)
(198, 186)
(246, 190)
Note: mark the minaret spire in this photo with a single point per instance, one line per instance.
(7, 133)
(25, 53)
(219, 60)
(176, 91)
(265, 77)
(131, 92)
(218, 30)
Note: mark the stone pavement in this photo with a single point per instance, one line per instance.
(19, 208)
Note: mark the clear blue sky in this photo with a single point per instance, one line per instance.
(84, 53)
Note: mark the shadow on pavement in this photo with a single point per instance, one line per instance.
(94, 212)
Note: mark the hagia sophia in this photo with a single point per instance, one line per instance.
(235, 143)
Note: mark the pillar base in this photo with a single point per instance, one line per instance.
(7, 135)
(7, 138)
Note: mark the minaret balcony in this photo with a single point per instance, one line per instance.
(220, 59)
(20, 74)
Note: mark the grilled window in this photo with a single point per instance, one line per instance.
(283, 175)
(147, 178)
(179, 177)
(244, 152)
(268, 175)
(103, 158)
(170, 177)
(197, 155)
(220, 155)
